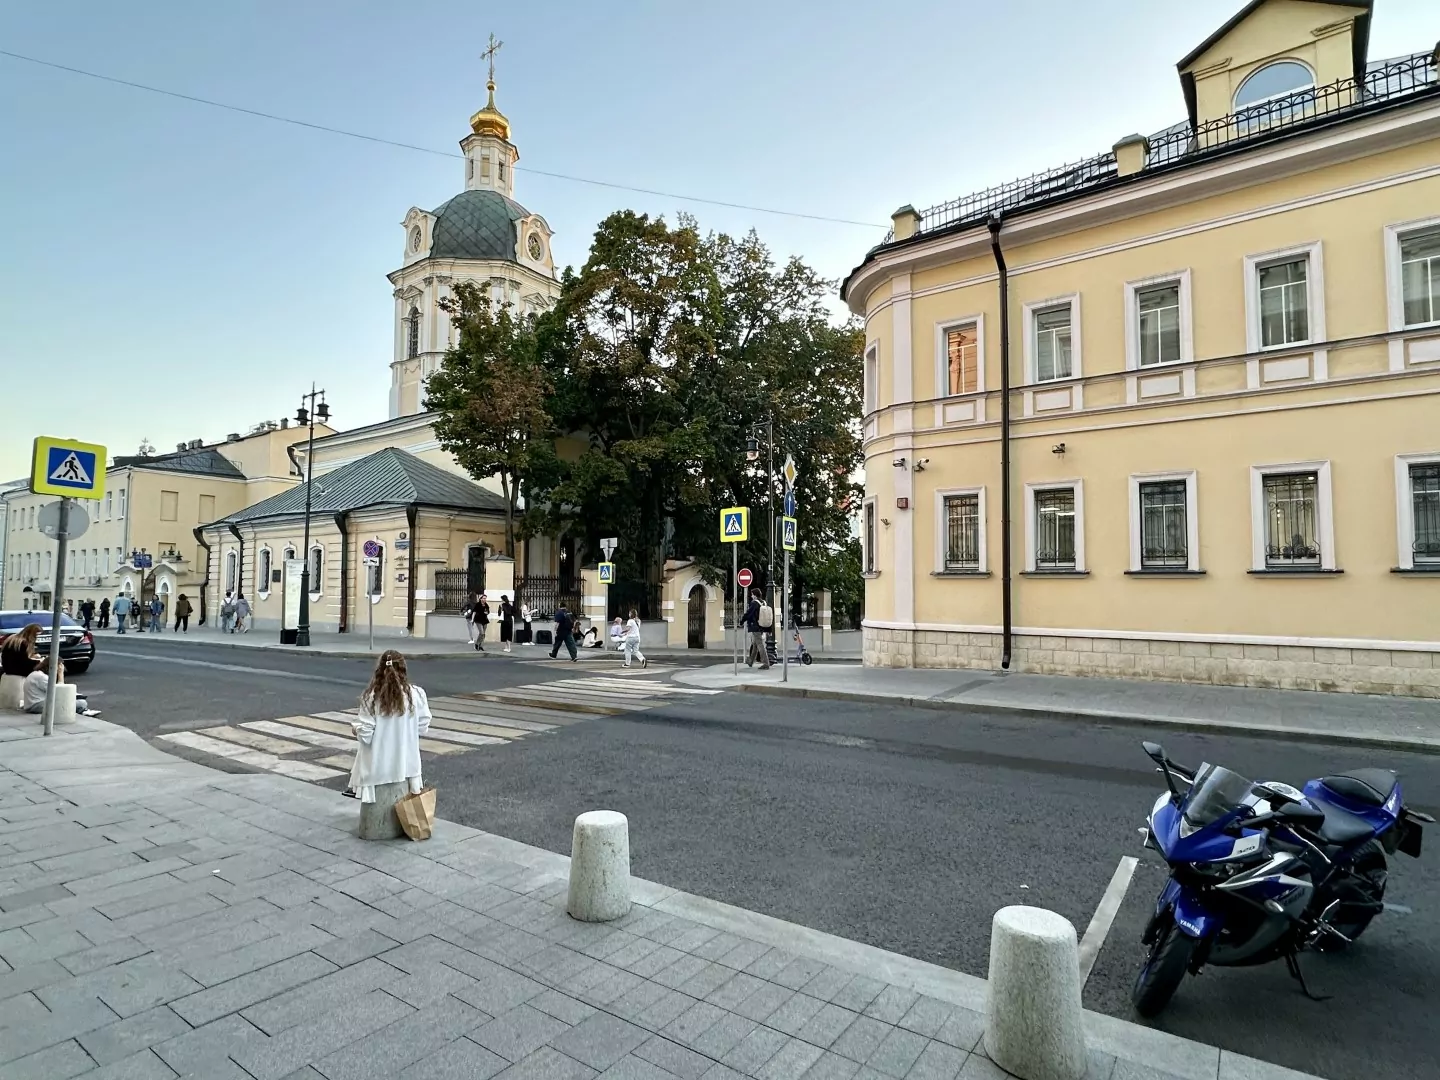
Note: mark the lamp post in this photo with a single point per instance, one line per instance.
(318, 410)
(752, 454)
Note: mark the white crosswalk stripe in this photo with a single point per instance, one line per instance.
(320, 746)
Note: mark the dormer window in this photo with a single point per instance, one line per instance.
(1272, 81)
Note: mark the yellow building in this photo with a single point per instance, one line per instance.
(1174, 412)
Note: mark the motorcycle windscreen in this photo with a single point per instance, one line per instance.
(1215, 794)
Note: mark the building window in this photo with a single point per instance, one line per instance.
(109, 504)
(262, 571)
(1054, 528)
(869, 538)
(1294, 530)
(872, 379)
(962, 525)
(501, 166)
(962, 359)
(375, 575)
(232, 571)
(412, 333)
(1052, 344)
(1420, 277)
(1284, 303)
(317, 569)
(169, 505)
(121, 514)
(1425, 514)
(1164, 524)
(1158, 323)
(1273, 81)
(469, 168)
(207, 509)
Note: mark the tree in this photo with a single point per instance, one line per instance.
(490, 392)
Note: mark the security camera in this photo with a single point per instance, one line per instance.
(1058, 448)
(899, 463)
(920, 464)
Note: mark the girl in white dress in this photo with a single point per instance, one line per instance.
(632, 640)
(393, 716)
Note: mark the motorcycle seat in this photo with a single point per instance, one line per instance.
(1369, 786)
(1341, 829)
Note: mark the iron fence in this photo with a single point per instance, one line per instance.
(452, 588)
(643, 597)
(546, 593)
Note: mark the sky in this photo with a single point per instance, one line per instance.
(173, 271)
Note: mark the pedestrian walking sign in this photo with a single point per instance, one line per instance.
(788, 533)
(67, 468)
(734, 524)
(607, 573)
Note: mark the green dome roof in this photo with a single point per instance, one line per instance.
(478, 224)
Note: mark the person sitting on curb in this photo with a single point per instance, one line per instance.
(394, 713)
(37, 686)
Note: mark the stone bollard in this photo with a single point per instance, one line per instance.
(599, 867)
(65, 695)
(377, 819)
(12, 692)
(1033, 1025)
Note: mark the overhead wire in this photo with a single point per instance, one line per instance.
(427, 149)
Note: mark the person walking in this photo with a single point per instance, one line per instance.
(137, 610)
(122, 612)
(157, 615)
(182, 614)
(394, 713)
(242, 613)
(632, 640)
(87, 612)
(472, 605)
(564, 635)
(227, 614)
(756, 625)
(507, 621)
(105, 613)
(527, 616)
(482, 622)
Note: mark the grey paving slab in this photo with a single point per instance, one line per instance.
(683, 970)
(794, 1014)
(383, 1054)
(829, 982)
(927, 1016)
(694, 1022)
(58, 1062)
(1239, 1067)
(69, 1018)
(562, 1006)
(827, 1025)
(897, 1052)
(312, 1041)
(963, 1028)
(600, 1040)
(498, 993)
(14, 901)
(734, 990)
(519, 1032)
(462, 1059)
(830, 1066)
(315, 998)
(102, 956)
(613, 987)
(213, 969)
(724, 1035)
(23, 978)
(770, 963)
(634, 1068)
(548, 1064)
(939, 1061)
(208, 1048)
(743, 955)
(755, 1050)
(431, 984)
(979, 1067)
(228, 997)
(891, 1004)
(1129, 1070)
(675, 1059)
(861, 1039)
(664, 1010)
(142, 1065)
(127, 1037)
(792, 1061)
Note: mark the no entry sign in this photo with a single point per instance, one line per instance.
(745, 577)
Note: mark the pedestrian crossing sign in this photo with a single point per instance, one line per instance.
(734, 524)
(788, 533)
(607, 573)
(67, 468)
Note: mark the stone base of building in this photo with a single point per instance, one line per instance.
(1406, 673)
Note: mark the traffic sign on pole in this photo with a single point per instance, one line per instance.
(734, 524)
(372, 549)
(608, 546)
(55, 517)
(67, 468)
(790, 503)
(607, 573)
(790, 472)
(745, 578)
(788, 533)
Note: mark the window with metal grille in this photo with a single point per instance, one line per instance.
(317, 568)
(870, 538)
(1284, 302)
(1292, 530)
(1055, 529)
(1052, 344)
(962, 349)
(1159, 329)
(962, 532)
(1425, 506)
(262, 571)
(1420, 276)
(412, 334)
(872, 380)
(375, 575)
(1164, 527)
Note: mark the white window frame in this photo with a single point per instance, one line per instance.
(1258, 102)
(317, 580)
(1314, 295)
(375, 597)
(109, 504)
(942, 531)
(942, 354)
(1035, 307)
(1031, 490)
(1324, 514)
(1394, 286)
(1405, 506)
(869, 551)
(120, 505)
(1133, 289)
(262, 586)
(871, 387)
(1192, 522)
(231, 583)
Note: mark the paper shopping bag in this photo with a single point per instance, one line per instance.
(417, 814)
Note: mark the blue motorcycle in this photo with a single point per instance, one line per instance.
(1262, 872)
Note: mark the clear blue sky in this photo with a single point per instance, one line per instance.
(174, 271)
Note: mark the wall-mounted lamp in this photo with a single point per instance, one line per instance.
(885, 522)
(1058, 448)
(899, 463)
(920, 464)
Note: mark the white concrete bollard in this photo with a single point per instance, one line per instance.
(12, 692)
(377, 819)
(599, 867)
(1033, 1020)
(65, 695)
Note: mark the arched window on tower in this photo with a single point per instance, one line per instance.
(412, 334)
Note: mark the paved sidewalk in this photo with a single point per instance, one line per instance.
(1358, 719)
(159, 919)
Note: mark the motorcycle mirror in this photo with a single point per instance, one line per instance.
(1154, 751)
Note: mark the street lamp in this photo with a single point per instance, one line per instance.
(752, 454)
(318, 411)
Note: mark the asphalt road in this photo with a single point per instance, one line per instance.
(902, 828)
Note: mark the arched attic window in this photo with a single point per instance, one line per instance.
(1277, 80)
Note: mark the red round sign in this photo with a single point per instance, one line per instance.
(744, 577)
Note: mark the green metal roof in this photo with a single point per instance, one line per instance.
(477, 224)
(388, 477)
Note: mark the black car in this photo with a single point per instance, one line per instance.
(77, 645)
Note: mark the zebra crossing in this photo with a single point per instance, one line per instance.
(320, 747)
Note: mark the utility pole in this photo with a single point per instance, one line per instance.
(321, 411)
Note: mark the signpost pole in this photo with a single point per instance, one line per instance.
(63, 540)
(370, 618)
(735, 577)
(785, 629)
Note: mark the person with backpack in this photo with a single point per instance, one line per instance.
(227, 614)
(564, 634)
(759, 618)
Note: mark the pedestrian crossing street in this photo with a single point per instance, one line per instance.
(321, 747)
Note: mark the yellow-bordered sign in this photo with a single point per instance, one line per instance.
(607, 573)
(735, 524)
(789, 533)
(70, 469)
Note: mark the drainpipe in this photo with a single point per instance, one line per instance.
(240, 564)
(1006, 601)
(204, 585)
(412, 512)
(342, 522)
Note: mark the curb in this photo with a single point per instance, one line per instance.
(1179, 723)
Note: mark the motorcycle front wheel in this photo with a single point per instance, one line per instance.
(1164, 967)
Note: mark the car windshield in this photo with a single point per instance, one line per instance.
(10, 621)
(1215, 793)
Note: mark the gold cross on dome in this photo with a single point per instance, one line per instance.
(489, 54)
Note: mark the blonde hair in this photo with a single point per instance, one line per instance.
(389, 691)
(24, 641)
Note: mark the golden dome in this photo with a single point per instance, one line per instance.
(490, 120)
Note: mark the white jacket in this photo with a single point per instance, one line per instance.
(389, 750)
